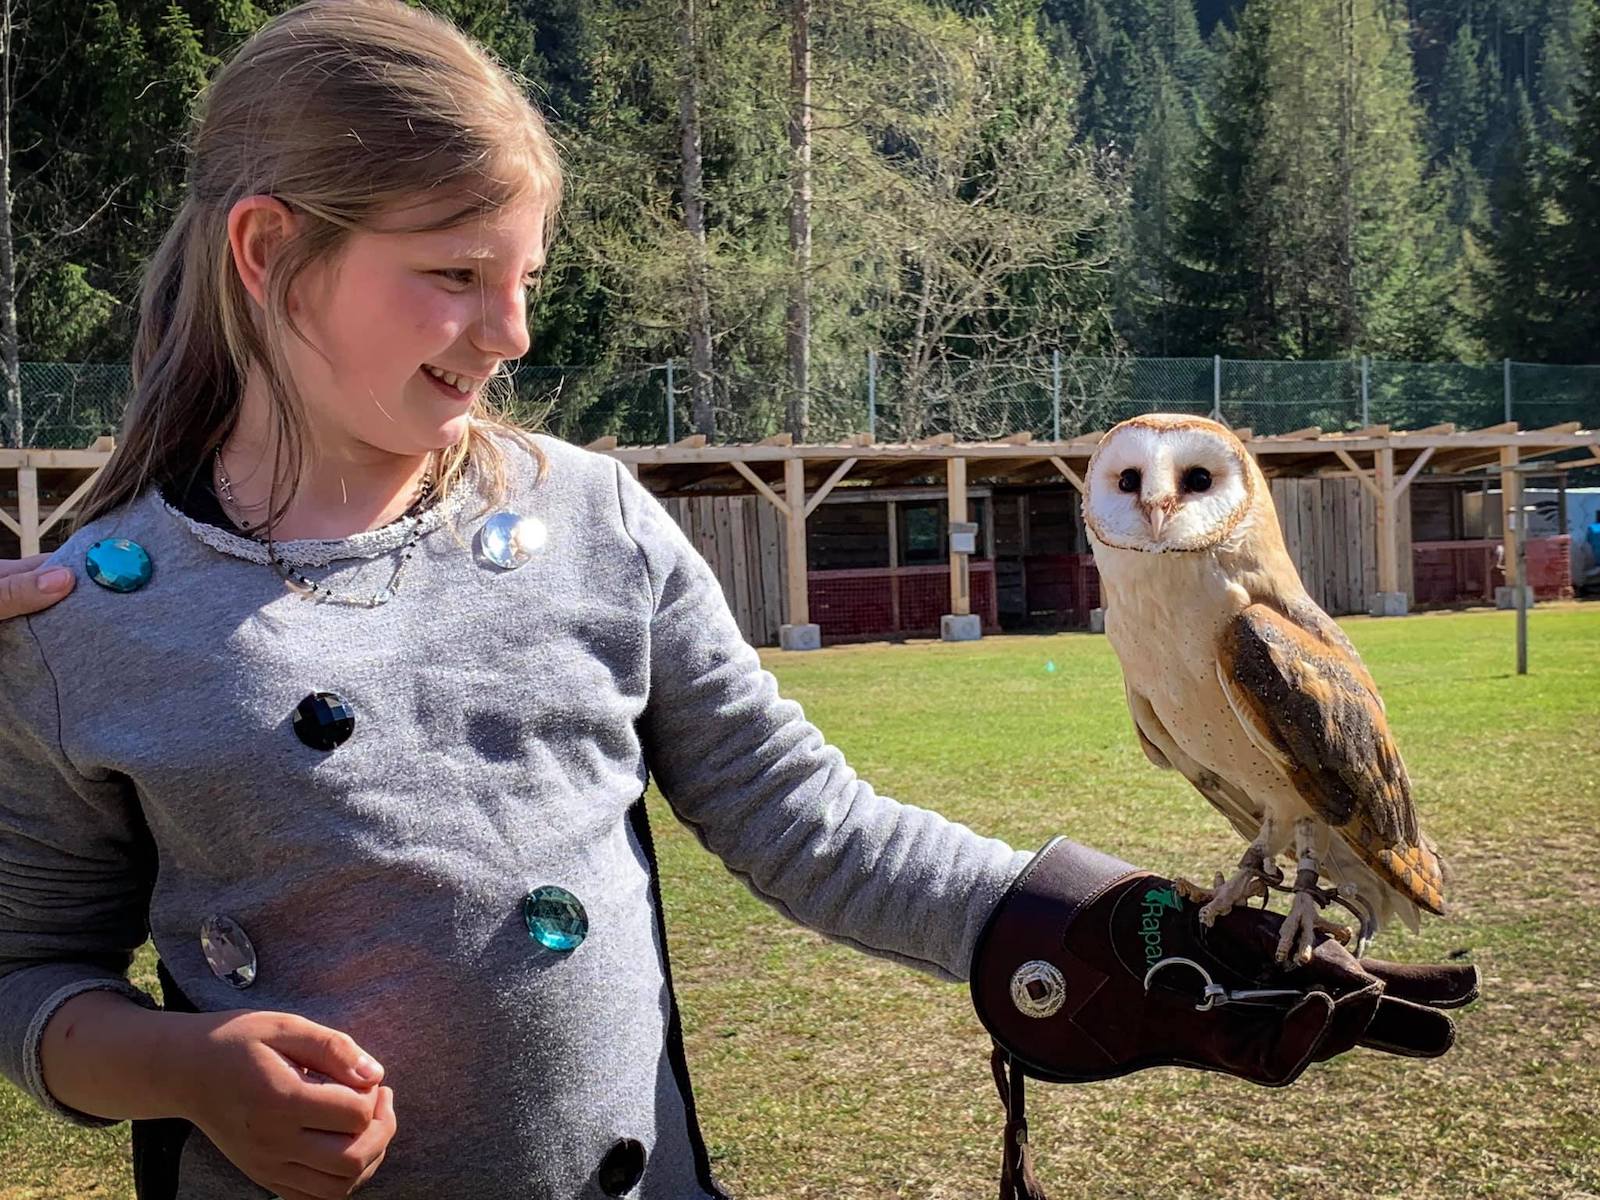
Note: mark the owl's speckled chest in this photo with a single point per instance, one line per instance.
(1165, 616)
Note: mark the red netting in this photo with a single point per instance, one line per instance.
(1466, 572)
(873, 603)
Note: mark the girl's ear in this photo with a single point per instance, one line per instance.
(257, 226)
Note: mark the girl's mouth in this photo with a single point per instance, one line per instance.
(451, 391)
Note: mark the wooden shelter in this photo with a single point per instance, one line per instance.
(40, 488)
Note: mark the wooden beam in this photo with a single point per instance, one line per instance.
(760, 486)
(62, 509)
(938, 439)
(1017, 439)
(794, 476)
(1073, 477)
(859, 439)
(821, 493)
(956, 486)
(10, 523)
(1503, 427)
(1388, 533)
(1405, 480)
(1245, 433)
(777, 439)
(1563, 427)
(1364, 477)
(602, 444)
(693, 442)
(28, 509)
(1310, 431)
(1442, 427)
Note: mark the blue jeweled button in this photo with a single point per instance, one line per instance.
(118, 564)
(228, 951)
(323, 720)
(556, 919)
(509, 539)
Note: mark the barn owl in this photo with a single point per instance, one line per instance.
(1237, 679)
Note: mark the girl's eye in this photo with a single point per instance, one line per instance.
(465, 275)
(1196, 479)
(1128, 481)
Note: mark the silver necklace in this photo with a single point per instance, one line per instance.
(308, 589)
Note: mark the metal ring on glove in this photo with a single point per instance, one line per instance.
(1215, 993)
(1212, 991)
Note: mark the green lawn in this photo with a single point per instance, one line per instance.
(822, 1072)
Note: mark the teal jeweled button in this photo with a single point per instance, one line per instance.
(118, 564)
(555, 918)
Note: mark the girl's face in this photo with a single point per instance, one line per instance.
(391, 306)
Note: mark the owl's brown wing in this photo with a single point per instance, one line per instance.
(1306, 699)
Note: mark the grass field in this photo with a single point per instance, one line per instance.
(823, 1072)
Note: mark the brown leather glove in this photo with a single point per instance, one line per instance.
(1090, 968)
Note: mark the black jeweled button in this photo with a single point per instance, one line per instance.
(323, 720)
(621, 1168)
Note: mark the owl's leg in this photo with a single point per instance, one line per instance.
(1255, 869)
(1299, 927)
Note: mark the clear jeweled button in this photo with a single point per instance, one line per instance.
(508, 539)
(228, 951)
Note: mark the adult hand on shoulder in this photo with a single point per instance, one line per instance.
(286, 1101)
(24, 588)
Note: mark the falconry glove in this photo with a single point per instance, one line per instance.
(1090, 968)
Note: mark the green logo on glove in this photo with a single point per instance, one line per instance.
(1156, 900)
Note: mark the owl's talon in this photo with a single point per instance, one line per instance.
(1299, 929)
(1246, 882)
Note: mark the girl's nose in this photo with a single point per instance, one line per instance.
(503, 329)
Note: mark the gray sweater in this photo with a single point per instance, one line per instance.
(507, 723)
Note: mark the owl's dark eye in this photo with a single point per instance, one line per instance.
(1128, 481)
(1196, 479)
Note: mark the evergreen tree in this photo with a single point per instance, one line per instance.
(1574, 261)
(1514, 306)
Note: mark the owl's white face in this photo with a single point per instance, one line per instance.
(1164, 482)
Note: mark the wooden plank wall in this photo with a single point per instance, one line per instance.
(1329, 528)
(742, 538)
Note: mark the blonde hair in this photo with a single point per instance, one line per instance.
(343, 110)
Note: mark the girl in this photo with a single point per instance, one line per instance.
(355, 718)
(401, 823)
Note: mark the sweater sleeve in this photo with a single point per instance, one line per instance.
(763, 790)
(74, 875)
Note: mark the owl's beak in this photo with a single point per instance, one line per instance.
(1157, 512)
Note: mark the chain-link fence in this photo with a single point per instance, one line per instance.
(894, 399)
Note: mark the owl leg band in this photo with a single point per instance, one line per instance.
(1072, 977)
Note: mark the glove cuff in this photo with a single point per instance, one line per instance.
(1026, 927)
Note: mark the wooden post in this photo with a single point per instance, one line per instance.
(1388, 548)
(956, 491)
(794, 479)
(1510, 516)
(894, 564)
(28, 508)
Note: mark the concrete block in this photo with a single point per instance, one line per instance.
(965, 628)
(1506, 597)
(800, 637)
(1389, 604)
(1097, 620)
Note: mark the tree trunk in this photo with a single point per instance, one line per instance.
(799, 314)
(694, 221)
(10, 373)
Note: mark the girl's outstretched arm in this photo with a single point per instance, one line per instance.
(764, 791)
